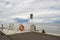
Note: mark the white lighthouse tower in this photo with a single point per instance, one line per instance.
(32, 26)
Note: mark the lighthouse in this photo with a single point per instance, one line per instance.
(32, 26)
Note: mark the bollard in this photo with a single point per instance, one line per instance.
(43, 31)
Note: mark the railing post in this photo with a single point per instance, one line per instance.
(2, 27)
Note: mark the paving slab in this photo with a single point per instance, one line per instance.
(4, 37)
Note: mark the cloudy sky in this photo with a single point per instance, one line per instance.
(47, 11)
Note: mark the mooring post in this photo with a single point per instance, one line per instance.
(43, 31)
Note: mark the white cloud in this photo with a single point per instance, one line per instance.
(22, 8)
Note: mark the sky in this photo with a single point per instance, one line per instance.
(45, 11)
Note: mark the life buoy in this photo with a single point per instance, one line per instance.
(21, 27)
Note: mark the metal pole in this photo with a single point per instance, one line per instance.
(2, 27)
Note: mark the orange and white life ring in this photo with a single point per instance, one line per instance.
(21, 27)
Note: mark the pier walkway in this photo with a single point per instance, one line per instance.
(30, 36)
(33, 36)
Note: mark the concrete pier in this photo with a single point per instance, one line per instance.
(33, 36)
